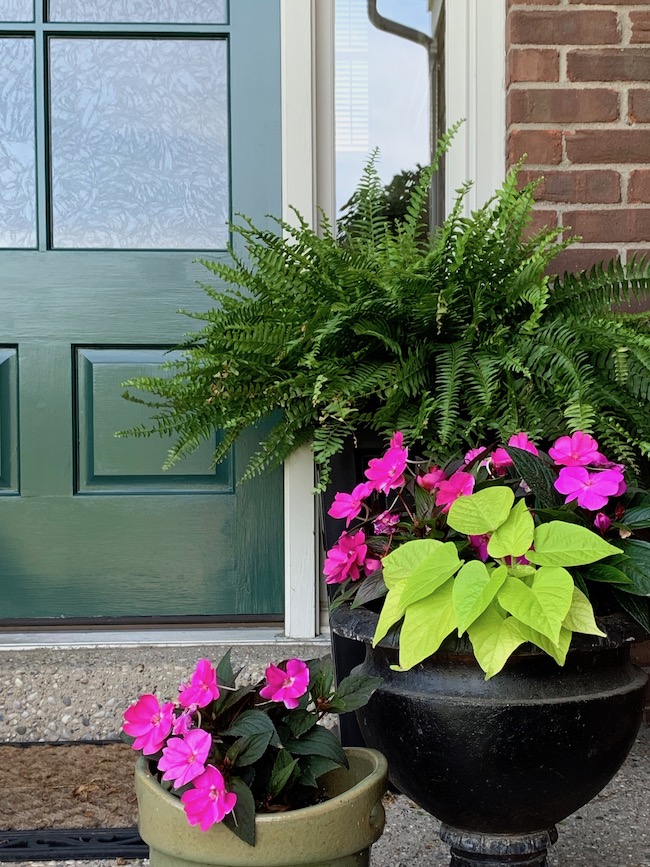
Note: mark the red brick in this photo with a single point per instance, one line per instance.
(639, 107)
(638, 253)
(640, 27)
(580, 259)
(639, 186)
(533, 3)
(533, 64)
(608, 146)
(542, 146)
(610, 225)
(609, 2)
(542, 219)
(562, 105)
(596, 187)
(609, 64)
(563, 27)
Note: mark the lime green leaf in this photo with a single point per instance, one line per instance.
(431, 568)
(392, 611)
(482, 512)
(474, 588)
(426, 625)
(515, 536)
(560, 544)
(403, 561)
(544, 605)
(494, 637)
(557, 649)
(581, 615)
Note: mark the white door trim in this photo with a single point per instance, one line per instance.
(307, 33)
(475, 64)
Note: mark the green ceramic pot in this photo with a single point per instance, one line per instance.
(337, 832)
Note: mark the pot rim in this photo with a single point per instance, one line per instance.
(379, 767)
(359, 624)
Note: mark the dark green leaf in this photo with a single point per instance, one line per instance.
(424, 502)
(281, 773)
(637, 518)
(230, 698)
(353, 692)
(546, 515)
(252, 722)
(635, 563)
(318, 765)
(128, 739)
(606, 573)
(300, 721)
(242, 820)
(636, 606)
(225, 674)
(372, 587)
(343, 595)
(318, 742)
(321, 678)
(249, 749)
(537, 474)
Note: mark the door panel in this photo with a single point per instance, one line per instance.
(90, 526)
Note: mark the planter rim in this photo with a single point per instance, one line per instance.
(360, 623)
(379, 766)
(347, 823)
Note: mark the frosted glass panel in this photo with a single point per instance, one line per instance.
(139, 132)
(17, 152)
(141, 11)
(16, 10)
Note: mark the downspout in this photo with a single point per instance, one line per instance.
(430, 44)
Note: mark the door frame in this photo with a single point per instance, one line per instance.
(475, 89)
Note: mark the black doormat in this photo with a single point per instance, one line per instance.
(68, 800)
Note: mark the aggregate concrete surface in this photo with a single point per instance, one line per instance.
(80, 694)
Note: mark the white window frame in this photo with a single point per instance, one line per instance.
(475, 90)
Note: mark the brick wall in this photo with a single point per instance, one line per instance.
(578, 78)
(578, 82)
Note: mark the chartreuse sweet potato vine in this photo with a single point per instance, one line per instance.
(501, 603)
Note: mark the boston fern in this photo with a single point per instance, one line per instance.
(460, 338)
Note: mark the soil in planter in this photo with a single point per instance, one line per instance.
(73, 786)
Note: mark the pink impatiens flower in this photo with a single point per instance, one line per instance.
(590, 490)
(183, 759)
(602, 522)
(202, 688)
(349, 505)
(521, 441)
(385, 523)
(208, 802)
(346, 558)
(149, 723)
(459, 485)
(431, 480)
(472, 454)
(480, 546)
(387, 472)
(183, 722)
(578, 450)
(286, 686)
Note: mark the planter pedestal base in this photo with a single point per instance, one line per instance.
(499, 850)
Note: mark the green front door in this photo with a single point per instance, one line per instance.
(128, 137)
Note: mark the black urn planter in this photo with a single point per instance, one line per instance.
(499, 762)
(346, 471)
